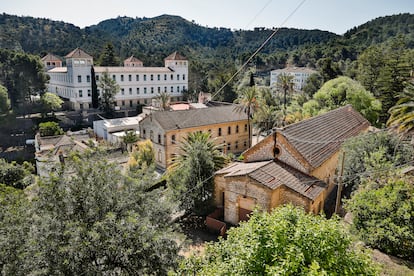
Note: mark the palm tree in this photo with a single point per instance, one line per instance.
(164, 98)
(266, 118)
(248, 103)
(402, 114)
(286, 84)
(192, 170)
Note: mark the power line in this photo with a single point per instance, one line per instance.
(254, 18)
(259, 49)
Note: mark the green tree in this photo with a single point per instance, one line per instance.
(142, 156)
(247, 102)
(109, 89)
(285, 83)
(383, 216)
(4, 100)
(95, 96)
(14, 226)
(384, 70)
(402, 114)
(50, 103)
(16, 175)
(313, 84)
(191, 172)
(108, 57)
(129, 139)
(359, 149)
(342, 91)
(90, 219)
(50, 129)
(164, 99)
(328, 69)
(285, 242)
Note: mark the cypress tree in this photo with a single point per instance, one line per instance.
(95, 97)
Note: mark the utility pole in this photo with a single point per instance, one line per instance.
(339, 192)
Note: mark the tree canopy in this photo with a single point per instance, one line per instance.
(4, 100)
(109, 88)
(89, 218)
(50, 129)
(50, 102)
(382, 211)
(342, 91)
(192, 170)
(285, 242)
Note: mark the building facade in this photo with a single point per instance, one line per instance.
(138, 84)
(299, 74)
(296, 164)
(167, 129)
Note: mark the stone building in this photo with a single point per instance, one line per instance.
(296, 164)
(166, 129)
(138, 84)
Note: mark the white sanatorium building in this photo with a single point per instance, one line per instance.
(300, 75)
(138, 84)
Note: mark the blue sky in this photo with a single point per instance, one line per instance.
(336, 16)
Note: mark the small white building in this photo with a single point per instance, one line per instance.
(112, 130)
(300, 75)
(138, 84)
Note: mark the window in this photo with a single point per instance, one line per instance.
(172, 77)
(172, 89)
(130, 103)
(236, 145)
(137, 77)
(183, 76)
(114, 77)
(130, 91)
(79, 78)
(173, 139)
(122, 91)
(178, 89)
(237, 129)
(245, 128)
(245, 143)
(81, 106)
(145, 77)
(229, 130)
(152, 77)
(159, 138)
(80, 94)
(165, 88)
(145, 90)
(219, 131)
(159, 89)
(178, 77)
(88, 78)
(89, 92)
(143, 133)
(158, 77)
(129, 78)
(228, 146)
(165, 77)
(123, 103)
(97, 77)
(137, 90)
(122, 77)
(152, 90)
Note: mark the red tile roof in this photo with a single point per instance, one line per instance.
(78, 53)
(175, 56)
(274, 174)
(132, 59)
(319, 137)
(50, 57)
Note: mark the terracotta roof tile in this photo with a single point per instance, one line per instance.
(274, 174)
(78, 53)
(132, 59)
(50, 57)
(196, 117)
(175, 56)
(319, 137)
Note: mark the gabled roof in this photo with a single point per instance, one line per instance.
(182, 119)
(274, 174)
(319, 137)
(175, 56)
(78, 53)
(132, 59)
(50, 57)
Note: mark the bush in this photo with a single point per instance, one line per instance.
(50, 129)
